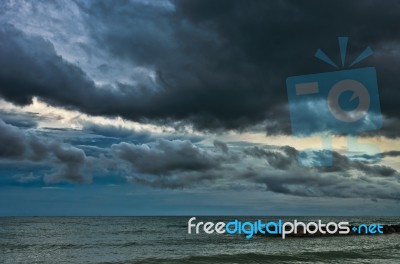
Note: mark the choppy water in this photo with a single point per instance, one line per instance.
(165, 240)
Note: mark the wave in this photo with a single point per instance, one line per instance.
(248, 258)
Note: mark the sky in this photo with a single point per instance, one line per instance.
(181, 108)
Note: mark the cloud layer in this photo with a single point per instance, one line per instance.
(212, 65)
(18, 145)
(181, 164)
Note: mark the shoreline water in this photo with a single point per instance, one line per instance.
(146, 240)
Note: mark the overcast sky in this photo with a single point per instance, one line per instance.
(180, 107)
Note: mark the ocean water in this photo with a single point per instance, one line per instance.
(165, 240)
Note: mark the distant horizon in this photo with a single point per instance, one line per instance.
(264, 216)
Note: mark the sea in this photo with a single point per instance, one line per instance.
(166, 240)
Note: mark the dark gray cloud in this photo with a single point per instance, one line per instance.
(30, 67)
(343, 163)
(346, 178)
(376, 157)
(235, 56)
(72, 161)
(170, 163)
(12, 142)
(307, 183)
(285, 158)
(18, 145)
(281, 158)
(165, 157)
(221, 145)
(218, 64)
(23, 120)
(393, 153)
(180, 164)
(183, 180)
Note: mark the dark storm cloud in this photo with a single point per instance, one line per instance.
(221, 145)
(343, 163)
(281, 158)
(393, 153)
(17, 145)
(23, 120)
(346, 178)
(307, 183)
(165, 157)
(72, 161)
(285, 158)
(218, 64)
(177, 181)
(225, 63)
(170, 163)
(376, 157)
(180, 164)
(30, 67)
